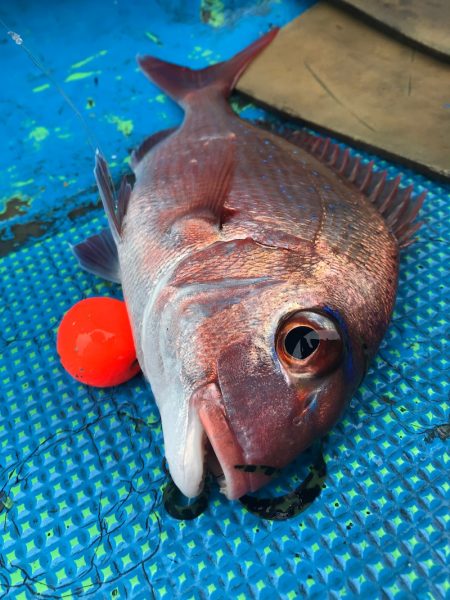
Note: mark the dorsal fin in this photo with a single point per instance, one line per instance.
(395, 203)
(138, 154)
(114, 213)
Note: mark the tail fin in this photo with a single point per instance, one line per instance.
(179, 82)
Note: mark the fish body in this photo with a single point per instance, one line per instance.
(258, 281)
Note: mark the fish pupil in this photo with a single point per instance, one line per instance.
(301, 342)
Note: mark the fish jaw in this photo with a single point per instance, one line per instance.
(234, 483)
(204, 440)
(185, 447)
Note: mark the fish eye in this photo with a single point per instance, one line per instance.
(309, 343)
(301, 342)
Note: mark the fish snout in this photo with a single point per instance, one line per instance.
(249, 417)
(224, 456)
(256, 420)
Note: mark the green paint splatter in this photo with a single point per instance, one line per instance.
(81, 75)
(161, 98)
(85, 61)
(125, 126)
(153, 38)
(39, 134)
(23, 183)
(208, 55)
(212, 12)
(239, 105)
(41, 88)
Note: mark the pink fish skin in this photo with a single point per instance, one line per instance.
(258, 281)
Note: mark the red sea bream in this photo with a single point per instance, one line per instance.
(259, 275)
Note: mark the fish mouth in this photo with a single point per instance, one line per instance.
(224, 457)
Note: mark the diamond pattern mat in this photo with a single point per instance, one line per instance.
(81, 474)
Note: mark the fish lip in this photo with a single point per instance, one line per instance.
(208, 402)
(221, 440)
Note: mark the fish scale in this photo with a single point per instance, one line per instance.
(251, 195)
(233, 241)
(308, 209)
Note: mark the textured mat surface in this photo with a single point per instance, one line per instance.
(81, 473)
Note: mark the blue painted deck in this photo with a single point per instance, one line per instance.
(80, 469)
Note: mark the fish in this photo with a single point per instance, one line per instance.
(259, 271)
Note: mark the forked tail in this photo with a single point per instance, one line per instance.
(179, 82)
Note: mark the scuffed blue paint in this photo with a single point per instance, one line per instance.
(103, 45)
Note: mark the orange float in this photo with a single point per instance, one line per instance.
(95, 343)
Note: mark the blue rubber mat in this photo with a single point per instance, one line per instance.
(81, 474)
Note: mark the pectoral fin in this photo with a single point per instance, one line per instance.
(98, 255)
(114, 213)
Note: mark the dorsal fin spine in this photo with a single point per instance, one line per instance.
(375, 195)
(387, 203)
(354, 172)
(344, 163)
(365, 182)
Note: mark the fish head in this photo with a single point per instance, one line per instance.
(278, 388)
(264, 360)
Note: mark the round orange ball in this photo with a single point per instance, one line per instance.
(95, 343)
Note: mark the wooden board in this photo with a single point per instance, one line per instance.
(333, 71)
(424, 22)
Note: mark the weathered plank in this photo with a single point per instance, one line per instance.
(332, 70)
(424, 22)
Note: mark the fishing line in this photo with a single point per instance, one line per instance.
(287, 506)
(18, 40)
